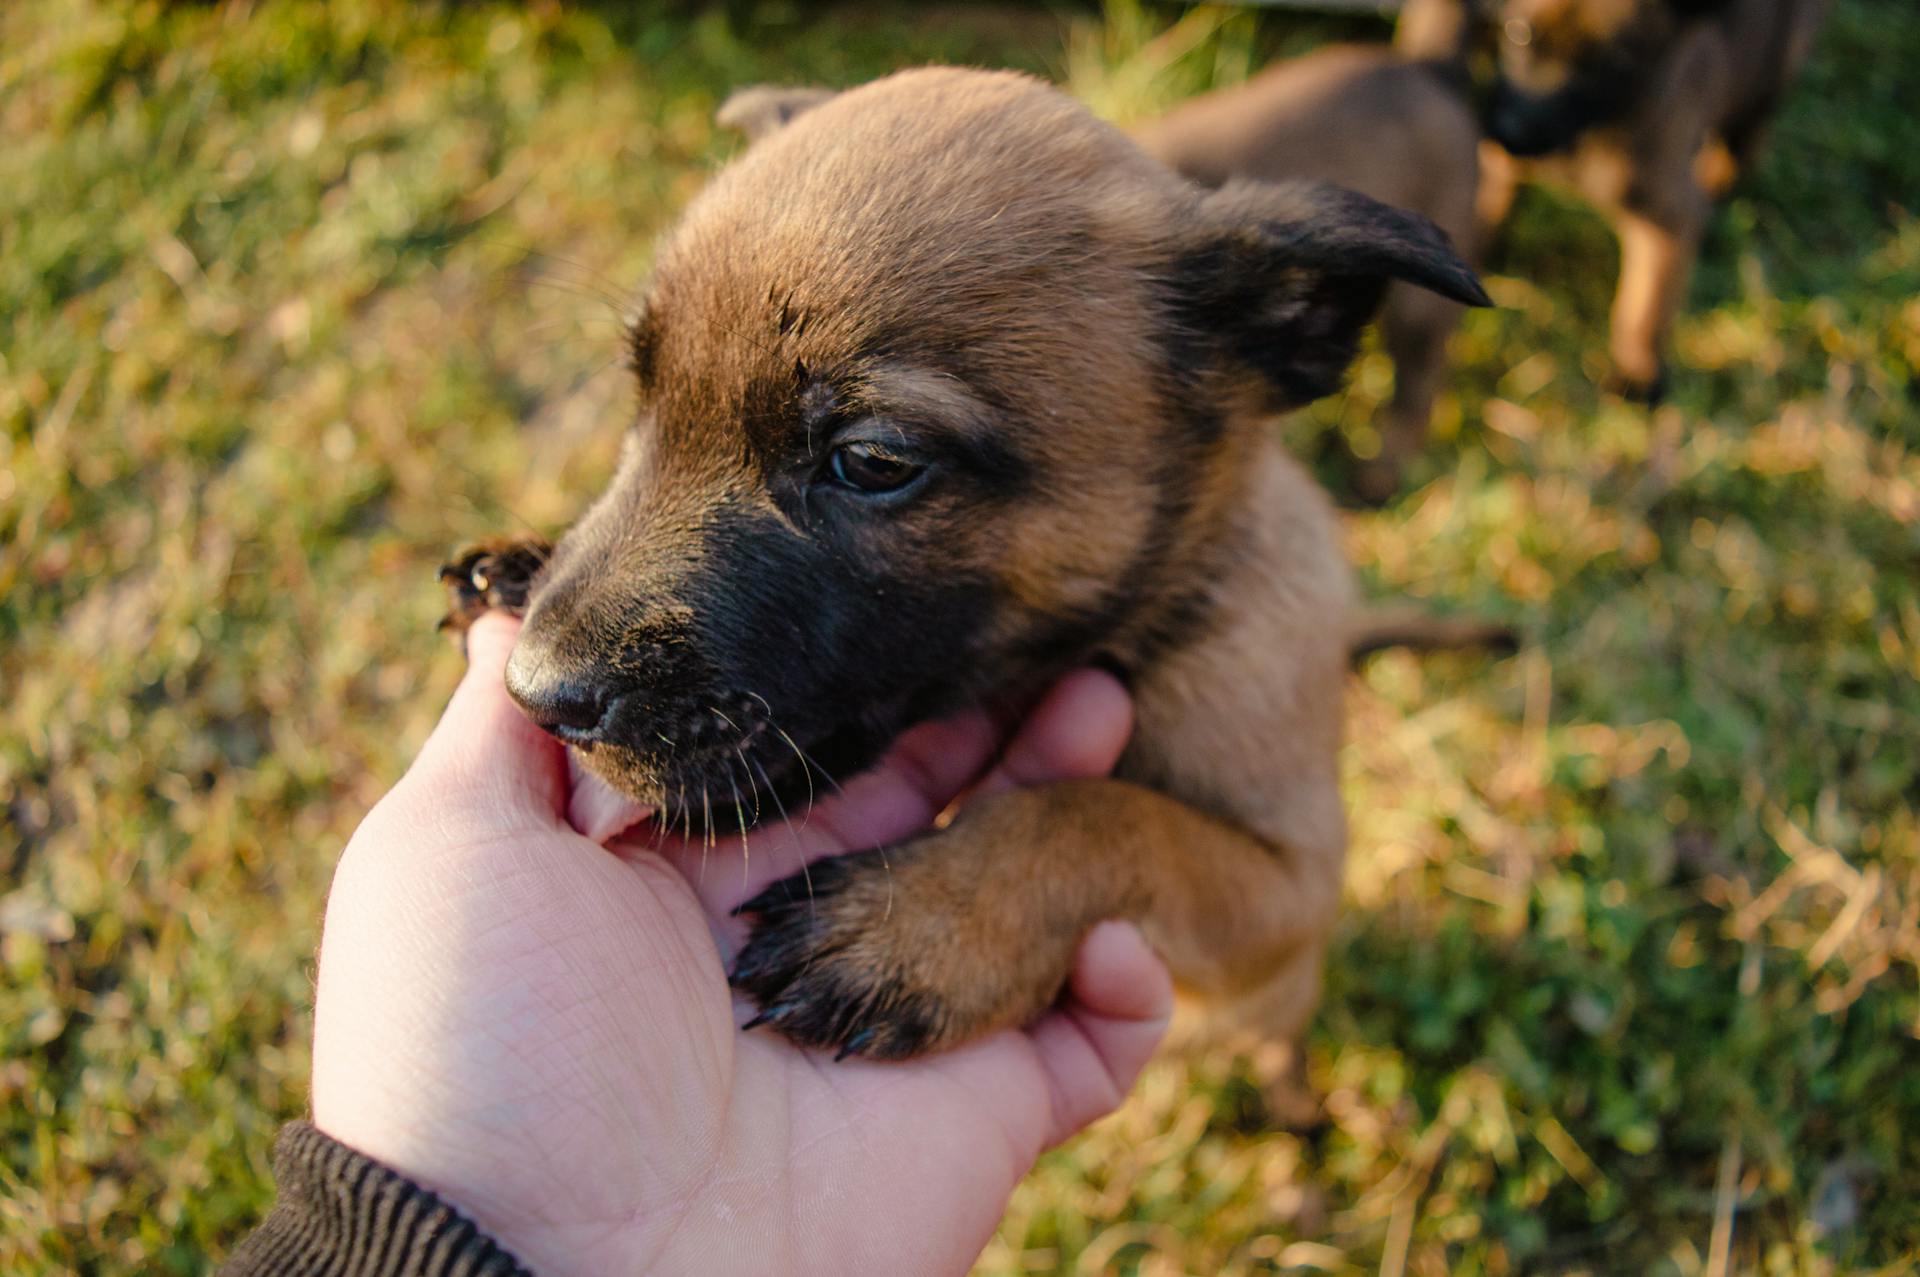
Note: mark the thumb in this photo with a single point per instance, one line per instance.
(484, 749)
(1093, 1048)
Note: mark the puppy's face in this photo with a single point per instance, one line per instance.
(932, 383)
(1568, 65)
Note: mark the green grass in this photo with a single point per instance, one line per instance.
(295, 297)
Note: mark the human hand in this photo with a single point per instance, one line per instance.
(540, 1029)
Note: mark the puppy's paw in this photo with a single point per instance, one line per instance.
(493, 574)
(825, 966)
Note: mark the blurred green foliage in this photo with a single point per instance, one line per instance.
(294, 297)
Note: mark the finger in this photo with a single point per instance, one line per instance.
(920, 775)
(484, 749)
(725, 869)
(595, 808)
(1093, 1048)
(1079, 728)
(924, 771)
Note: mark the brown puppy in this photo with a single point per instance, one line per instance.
(1362, 118)
(947, 387)
(1647, 108)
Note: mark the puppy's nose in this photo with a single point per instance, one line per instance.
(565, 702)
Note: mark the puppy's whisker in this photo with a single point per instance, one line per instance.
(581, 291)
(793, 838)
(663, 819)
(587, 280)
(746, 852)
(808, 765)
(806, 771)
(575, 321)
(706, 822)
(753, 785)
(820, 768)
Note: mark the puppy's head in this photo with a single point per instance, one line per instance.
(1569, 65)
(932, 382)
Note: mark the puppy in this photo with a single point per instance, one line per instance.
(1647, 108)
(1362, 118)
(945, 388)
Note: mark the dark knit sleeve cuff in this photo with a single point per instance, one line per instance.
(342, 1214)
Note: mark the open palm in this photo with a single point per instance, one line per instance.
(540, 1028)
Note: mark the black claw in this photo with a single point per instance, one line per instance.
(769, 1015)
(798, 968)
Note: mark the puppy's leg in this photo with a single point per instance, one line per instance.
(973, 929)
(493, 574)
(1265, 1029)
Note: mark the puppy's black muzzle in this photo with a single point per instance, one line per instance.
(574, 705)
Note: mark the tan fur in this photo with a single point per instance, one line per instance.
(1363, 118)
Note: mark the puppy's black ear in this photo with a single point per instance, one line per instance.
(766, 108)
(1288, 273)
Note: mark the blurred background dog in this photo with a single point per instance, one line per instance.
(1363, 118)
(1648, 108)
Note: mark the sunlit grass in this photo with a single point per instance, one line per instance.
(293, 298)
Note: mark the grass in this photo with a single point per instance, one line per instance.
(295, 297)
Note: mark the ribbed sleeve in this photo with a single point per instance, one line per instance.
(341, 1214)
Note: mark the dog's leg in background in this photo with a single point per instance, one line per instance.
(1437, 31)
(1657, 250)
(1662, 214)
(1499, 183)
(1416, 325)
(959, 933)
(1415, 328)
(1265, 1029)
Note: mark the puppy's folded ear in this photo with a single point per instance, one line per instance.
(766, 108)
(1287, 274)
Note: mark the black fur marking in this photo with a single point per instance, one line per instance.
(1180, 620)
(643, 347)
(1293, 273)
(797, 969)
(847, 653)
(1298, 329)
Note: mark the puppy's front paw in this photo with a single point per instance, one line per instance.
(825, 965)
(492, 574)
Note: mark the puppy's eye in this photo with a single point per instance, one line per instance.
(865, 467)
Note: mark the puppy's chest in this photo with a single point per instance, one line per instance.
(1242, 715)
